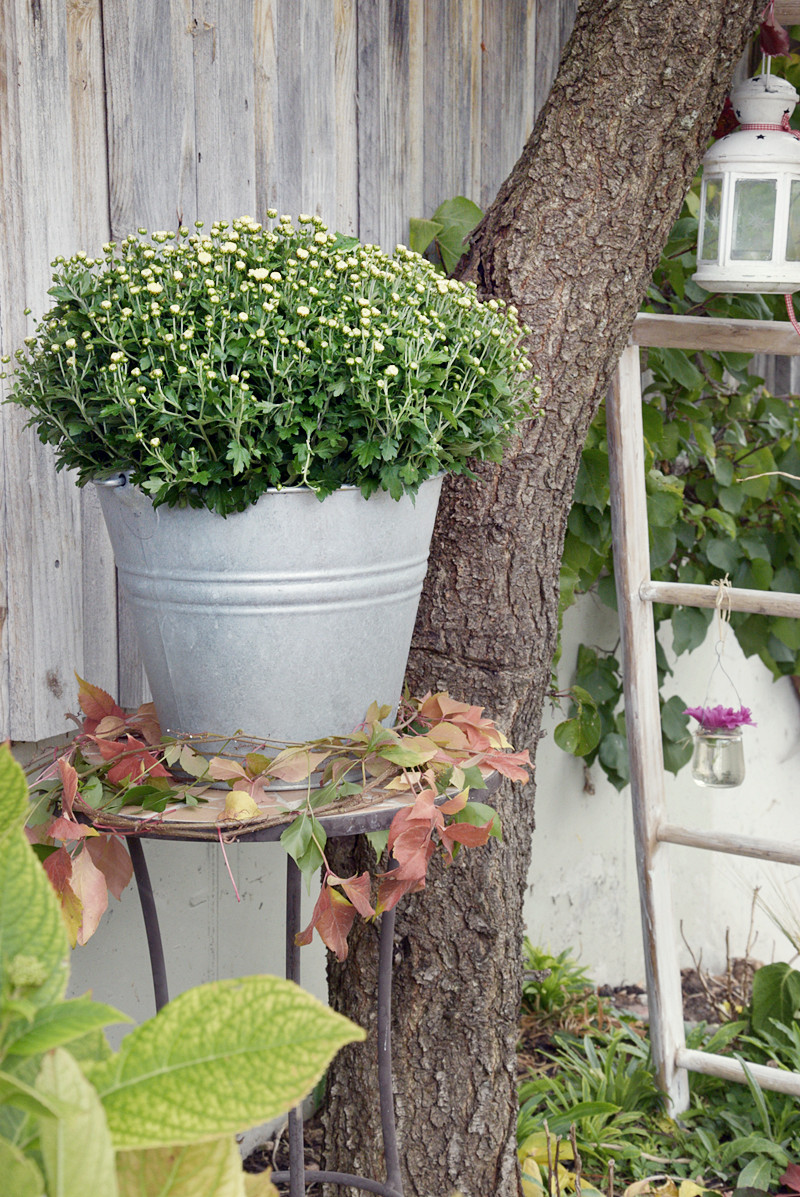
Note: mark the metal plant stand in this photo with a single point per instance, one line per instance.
(372, 818)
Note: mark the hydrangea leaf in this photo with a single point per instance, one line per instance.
(33, 941)
(76, 1148)
(20, 1175)
(13, 792)
(217, 1059)
(211, 1169)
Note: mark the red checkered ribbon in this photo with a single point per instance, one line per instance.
(783, 127)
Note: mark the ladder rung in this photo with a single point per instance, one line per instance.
(731, 1070)
(759, 602)
(736, 845)
(715, 335)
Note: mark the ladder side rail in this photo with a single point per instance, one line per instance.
(643, 720)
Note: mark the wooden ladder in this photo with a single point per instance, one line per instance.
(636, 592)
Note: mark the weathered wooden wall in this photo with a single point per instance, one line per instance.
(116, 114)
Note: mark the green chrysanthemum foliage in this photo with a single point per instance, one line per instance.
(217, 365)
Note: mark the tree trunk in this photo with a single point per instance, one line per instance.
(572, 239)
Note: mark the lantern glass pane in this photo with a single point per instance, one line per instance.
(753, 219)
(793, 231)
(711, 214)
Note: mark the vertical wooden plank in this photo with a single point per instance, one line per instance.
(345, 19)
(389, 163)
(224, 96)
(643, 721)
(508, 75)
(152, 164)
(90, 207)
(554, 21)
(149, 47)
(40, 518)
(296, 96)
(452, 101)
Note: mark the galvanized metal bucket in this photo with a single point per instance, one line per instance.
(284, 621)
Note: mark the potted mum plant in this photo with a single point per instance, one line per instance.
(215, 386)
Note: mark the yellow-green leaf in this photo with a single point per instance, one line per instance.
(76, 1148)
(20, 1175)
(211, 1169)
(218, 1059)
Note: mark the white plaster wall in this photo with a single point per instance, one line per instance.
(582, 885)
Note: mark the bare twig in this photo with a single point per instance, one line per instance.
(611, 1178)
(576, 1160)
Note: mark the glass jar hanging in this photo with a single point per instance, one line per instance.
(718, 753)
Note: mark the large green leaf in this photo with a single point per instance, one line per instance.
(217, 1059)
(211, 1169)
(76, 1148)
(56, 1025)
(776, 994)
(458, 217)
(21, 1177)
(33, 942)
(13, 792)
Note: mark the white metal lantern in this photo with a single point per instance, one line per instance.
(750, 201)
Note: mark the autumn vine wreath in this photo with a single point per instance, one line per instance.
(119, 765)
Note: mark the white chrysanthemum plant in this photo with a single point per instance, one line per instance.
(215, 365)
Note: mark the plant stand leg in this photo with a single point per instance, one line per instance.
(390, 1152)
(297, 1185)
(150, 914)
(297, 1175)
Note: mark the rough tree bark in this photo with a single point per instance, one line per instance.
(572, 238)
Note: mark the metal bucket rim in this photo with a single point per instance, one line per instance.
(118, 479)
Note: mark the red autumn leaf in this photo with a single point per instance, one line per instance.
(357, 889)
(332, 917)
(69, 783)
(791, 1178)
(111, 857)
(135, 762)
(773, 38)
(68, 830)
(392, 888)
(58, 867)
(411, 844)
(509, 764)
(146, 720)
(111, 727)
(95, 704)
(467, 834)
(89, 886)
(726, 121)
(453, 805)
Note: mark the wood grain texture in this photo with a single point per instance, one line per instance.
(295, 67)
(390, 101)
(643, 722)
(760, 602)
(91, 225)
(509, 63)
(152, 156)
(735, 845)
(225, 110)
(719, 336)
(41, 521)
(731, 1070)
(452, 99)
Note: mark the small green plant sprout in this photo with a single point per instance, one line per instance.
(214, 365)
(158, 1117)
